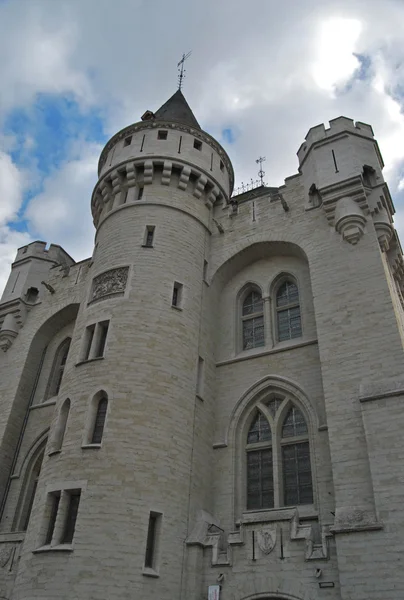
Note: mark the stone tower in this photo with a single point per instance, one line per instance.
(210, 407)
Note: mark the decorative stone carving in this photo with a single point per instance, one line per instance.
(314, 550)
(353, 518)
(8, 332)
(266, 539)
(110, 283)
(349, 220)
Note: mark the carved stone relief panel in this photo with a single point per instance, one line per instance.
(110, 283)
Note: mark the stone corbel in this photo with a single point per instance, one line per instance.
(383, 226)
(349, 220)
(8, 332)
(167, 170)
(313, 550)
(148, 172)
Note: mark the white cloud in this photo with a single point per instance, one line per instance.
(61, 212)
(335, 62)
(10, 188)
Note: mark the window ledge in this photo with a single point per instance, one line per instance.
(176, 307)
(257, 353)
(90, 360)
(148, 572)
(285, 513)
(88, 446)
(146, 246)
(50, 402)
(52, 452)
(58, 548)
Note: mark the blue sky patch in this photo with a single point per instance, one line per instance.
(228, 135)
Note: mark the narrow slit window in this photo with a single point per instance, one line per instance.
(102, 338)
(141, 147)
(99, 422)
(149, 236)
(140, 192)
(71, 517)
(127, 141)
(205, 269)
(162, 135)
(200, 377)
(221, 166)
(58, 368)
(152, 538)
(197, 144)
(88, 341)
(179, 145)
(54, 505)
(177, 295)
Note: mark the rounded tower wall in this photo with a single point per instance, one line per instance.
(148, 369)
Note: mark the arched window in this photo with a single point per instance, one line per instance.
(260, 486)
(27, 495)
(61, 425)
(288, 318)
(278, 456)
(296, 467)
(252, 317)
(99, 420)
(58, 368)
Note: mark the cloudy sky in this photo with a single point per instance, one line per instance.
(73, 72)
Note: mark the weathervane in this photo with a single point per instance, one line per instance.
(181, 69)
(261, 173)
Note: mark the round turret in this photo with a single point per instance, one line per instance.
(139, 339)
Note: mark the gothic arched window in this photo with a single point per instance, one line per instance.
(58, 368)
(99, 421)
(278, 465)
(288, 319)
(252, 317)
(28, 491)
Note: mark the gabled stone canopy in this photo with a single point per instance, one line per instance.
(177, 109)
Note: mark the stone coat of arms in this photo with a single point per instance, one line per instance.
(266, 539)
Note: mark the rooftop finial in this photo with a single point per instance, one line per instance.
(261, 173)
(181, 69)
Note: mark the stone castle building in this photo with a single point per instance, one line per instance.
(210, 407)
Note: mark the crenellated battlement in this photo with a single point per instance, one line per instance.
(38, 249)
(336, 126)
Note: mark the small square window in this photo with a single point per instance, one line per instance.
(197, 144)
(127, 141)
(162, 135)
(221, 166)
(177, 295)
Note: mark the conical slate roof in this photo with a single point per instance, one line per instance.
(177, 109)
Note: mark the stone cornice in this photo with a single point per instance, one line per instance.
(142, 125)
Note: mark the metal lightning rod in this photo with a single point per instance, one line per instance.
(181, 69)
(261, 173)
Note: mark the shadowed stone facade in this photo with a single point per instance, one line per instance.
(214, 397)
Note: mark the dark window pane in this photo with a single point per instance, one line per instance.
(289, 324)
(103, 338)
(99, 421)
(287, 294)
(71, 517)
(253, 333)
(260, 486)
(294, 423)
(259, 431)
(252, 304)
(297, 482)
(274, 404)
(151, 541)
